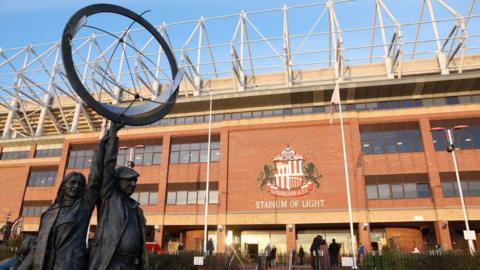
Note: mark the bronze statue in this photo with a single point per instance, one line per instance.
(119, 242)
(61, 242)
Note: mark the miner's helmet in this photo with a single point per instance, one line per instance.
(126, 173)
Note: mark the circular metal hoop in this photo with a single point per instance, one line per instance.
(140, 113)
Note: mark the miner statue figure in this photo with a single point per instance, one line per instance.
(119, 242)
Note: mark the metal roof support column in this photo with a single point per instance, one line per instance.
(238, 61)
(452, 37)
(197, 79)
(243, 29)
(76, 117)
(387, 59)
(89, 120)
(337, 42)
(43, 114)
(11, 115)
(286, 49)
(189, 69)
(47, 99)
(441, 58)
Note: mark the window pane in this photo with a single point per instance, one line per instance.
(194, 156)
(203, 155)
(175, 147)
(465, 188)
(372, 192)
(79, 161)
(171, 197)
(174, 157)
(213, 198)
(143, 198)
(192, 197)
(384, 191)
(184, 156)
(397, 191)
(410, 190)
(156, 158)
(147, 158)
(215, 145)
(181, 197)
(366, 147)
(153, 198)
(201, 197)
(195, 146)
(215, 155)
(423, 190)
(448, 190)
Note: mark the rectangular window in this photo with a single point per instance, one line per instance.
(195, 151)
(140, 155)
(143, 198)
(372, 193)
(146, 194)
(201, 197)
(467, 138)
(15, 155)
(172, 197)
(42, 178)
(470, 183)
(384, 191)
(447, 189)
(397, 186)
(80, 159)
(34, 209)
(153, 198)
(410, 190)
(191, 193)
(48, 153)
(397, 191)
(474, 187)
(423, 190)
(213, 198)
(192, 197)
(391, 138)
(181, 197)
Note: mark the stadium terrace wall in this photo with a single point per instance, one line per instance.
(397, 174)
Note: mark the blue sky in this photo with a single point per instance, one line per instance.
(39, 21)
(42, 21)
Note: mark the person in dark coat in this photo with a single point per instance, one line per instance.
(301, 255)
(210, 247)
(273, 256)
(314, 252)
(120, 239)
(61, 242)
(333, 250)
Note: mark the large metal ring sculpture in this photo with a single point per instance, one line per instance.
(135, 110)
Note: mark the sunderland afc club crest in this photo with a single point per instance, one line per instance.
(289, 175)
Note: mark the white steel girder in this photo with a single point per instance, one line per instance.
(35, 92)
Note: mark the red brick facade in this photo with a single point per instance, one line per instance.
(247, 145)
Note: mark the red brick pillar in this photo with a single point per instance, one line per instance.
(442, 233)
(33, 148)
(290, 230)
(221, 238)
(159, 235)
(364, 237)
